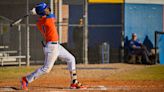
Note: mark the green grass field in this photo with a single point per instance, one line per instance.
(154, 72)
(8, 73)
(117, 77)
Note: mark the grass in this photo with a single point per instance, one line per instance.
(14, 72)
(155, 72)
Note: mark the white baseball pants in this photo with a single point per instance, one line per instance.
(52, 52)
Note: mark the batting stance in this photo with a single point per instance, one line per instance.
(52, 49)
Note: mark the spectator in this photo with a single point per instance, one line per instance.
(78, 41)
(137, 48)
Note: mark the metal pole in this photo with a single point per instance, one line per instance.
(122, 34)
(20, 44)
(56, 8)
(163, 18)
(85, 16)
(155, 47)
(52, 6)
(60, 20)
(28, 38)
(1, 33)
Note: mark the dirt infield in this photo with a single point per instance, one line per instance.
(98, 78)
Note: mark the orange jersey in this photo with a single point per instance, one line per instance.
(47, 27)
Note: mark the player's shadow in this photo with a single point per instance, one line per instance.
(48, 87)
(9, 88)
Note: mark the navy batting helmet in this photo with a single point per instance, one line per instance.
(40, 8)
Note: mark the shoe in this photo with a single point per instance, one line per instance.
(24, 83)
(77, 85)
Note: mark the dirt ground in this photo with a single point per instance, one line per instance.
(98, 78)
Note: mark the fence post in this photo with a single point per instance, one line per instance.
(85, 37)
(28, 34)
(20, 43)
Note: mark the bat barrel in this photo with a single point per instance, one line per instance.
(18, 21)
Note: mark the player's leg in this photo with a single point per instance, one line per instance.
(70, 59)
(51, 53)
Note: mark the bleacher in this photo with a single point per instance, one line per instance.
(10, 57)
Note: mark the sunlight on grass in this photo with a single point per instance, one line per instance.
(14, 72)
(148, 73)
(154, 72)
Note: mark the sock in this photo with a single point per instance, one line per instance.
(73, 76)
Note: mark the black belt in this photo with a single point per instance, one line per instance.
(54, 42)
(43, 44)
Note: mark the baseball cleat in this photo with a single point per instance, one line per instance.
(24, 83)
(77, 86)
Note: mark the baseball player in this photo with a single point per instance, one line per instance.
(52, 49)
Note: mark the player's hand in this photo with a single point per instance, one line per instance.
(33, 11)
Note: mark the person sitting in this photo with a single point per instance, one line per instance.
(137, 48)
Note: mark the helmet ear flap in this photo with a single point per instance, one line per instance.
(40, 13)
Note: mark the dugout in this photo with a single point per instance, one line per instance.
(144, 17)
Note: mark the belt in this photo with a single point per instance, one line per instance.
(54, 42)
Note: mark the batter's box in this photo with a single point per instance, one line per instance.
(53, 89)
(97, 88)
(100, 87)
(67, 89)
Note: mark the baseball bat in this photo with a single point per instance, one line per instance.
(19, 20)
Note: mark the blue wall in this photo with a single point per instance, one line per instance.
(104, 14)
(143, 19)
(75, 13)
(161, 48)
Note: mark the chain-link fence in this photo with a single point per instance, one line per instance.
(102, 27)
